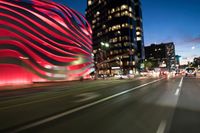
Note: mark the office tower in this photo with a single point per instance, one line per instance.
(114, 35)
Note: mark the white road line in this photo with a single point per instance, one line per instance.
(37, 123)
(181, 83)
(177, 91)
(162, 126)
(86, 96)
(179, 87)
(36, 101)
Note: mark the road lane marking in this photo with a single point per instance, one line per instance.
(162, 126)
(177, 91)
(68, 112)
(179, 87)
(86, 96)
(181, 83)
(38, 101)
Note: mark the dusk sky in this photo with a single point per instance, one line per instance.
(165, 21)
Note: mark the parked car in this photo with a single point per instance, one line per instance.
(190, 72)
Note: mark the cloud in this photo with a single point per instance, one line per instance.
(193, 39)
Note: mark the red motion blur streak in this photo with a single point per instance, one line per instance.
(42, 41)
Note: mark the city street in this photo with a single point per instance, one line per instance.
(105, 106)
(99, 66)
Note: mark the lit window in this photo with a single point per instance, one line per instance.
(125, 25)
(120, 38)
(94, 21)
(130, 9)
(117, 27)
(131, 15)
(89, 2)
(126, 44)
(138, 33)
(124, 7)
(125, 38)
(138, 28)
(98, 13)
(99, 34)
(115, 40)
(125, 13)
(109, 17)
(113, 10)
(139, 38)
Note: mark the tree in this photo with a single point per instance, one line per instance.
(150, 64)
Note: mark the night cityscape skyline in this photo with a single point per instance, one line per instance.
(99, 66)
(166, 21)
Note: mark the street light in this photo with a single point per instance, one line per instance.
(102, 44)
(105, 44)
(103, 50)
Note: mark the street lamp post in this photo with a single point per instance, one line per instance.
(100, 57)
(104, 47)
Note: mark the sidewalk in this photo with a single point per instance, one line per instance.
(34, 85)
(21, 90)
(46, 84)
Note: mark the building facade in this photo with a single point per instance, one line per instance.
(139, 30)
(163, 54)
(43, 41)
(197, 62)
(114, 35)
(177, 60)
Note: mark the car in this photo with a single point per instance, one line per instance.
(177, 72)
(190, 72)
(144, 73)
(198, 72)
(120, 76)
(164, 72)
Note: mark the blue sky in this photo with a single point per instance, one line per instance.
(164, 21)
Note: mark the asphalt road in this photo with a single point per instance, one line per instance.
(119, 106)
